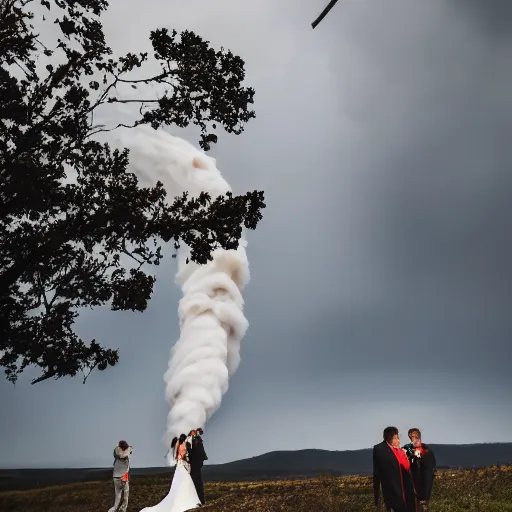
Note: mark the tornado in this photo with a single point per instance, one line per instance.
(211, 317)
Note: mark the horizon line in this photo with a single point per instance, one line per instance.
(102, 468)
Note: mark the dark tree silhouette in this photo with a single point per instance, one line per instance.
(324, 13)
(61, 242)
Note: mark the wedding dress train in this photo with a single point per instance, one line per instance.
(182, 495)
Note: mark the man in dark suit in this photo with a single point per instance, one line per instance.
(423, 468)
(197, 457)
(391, 471)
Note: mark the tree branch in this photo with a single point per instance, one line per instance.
(105, 130)
(324, 13)
(89, 373)
(115, 100)
(45, 376)
(42, 292)
(145, 80)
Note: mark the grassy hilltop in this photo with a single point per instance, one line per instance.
(488, 490)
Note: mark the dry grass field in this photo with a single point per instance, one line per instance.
(488, 490)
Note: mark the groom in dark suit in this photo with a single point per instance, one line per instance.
(197, 457)
(423, 468)
(391, 471)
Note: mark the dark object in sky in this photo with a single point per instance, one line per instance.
(324, 13)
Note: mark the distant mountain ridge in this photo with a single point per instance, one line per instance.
(313, 461)
(272, 465)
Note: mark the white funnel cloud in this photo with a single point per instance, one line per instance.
(212, 322)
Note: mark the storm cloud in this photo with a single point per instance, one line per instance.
(380, 289)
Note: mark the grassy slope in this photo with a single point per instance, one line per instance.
(488, 490)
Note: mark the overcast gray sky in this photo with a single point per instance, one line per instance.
(381, 274)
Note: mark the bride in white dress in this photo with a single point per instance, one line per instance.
(182, 495)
